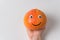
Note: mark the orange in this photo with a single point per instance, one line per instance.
(35, 19)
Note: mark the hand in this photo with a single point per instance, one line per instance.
(34, 35)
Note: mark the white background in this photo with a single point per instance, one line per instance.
(12, 13)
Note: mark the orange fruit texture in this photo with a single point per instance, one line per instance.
(35, 19)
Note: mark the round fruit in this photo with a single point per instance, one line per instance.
(35, 19)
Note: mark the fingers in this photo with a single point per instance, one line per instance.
(34, 34)
(30, 34)
(37, 34)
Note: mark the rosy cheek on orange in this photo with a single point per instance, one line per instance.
(29, 20)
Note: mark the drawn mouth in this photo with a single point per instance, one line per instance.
(36, 24)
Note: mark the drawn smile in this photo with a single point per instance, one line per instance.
(36, 24)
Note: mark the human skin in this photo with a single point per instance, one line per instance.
(34, 34)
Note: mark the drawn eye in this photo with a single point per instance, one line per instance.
(39, 16)
(31, 16)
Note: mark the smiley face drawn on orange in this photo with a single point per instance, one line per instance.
(35, 19)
